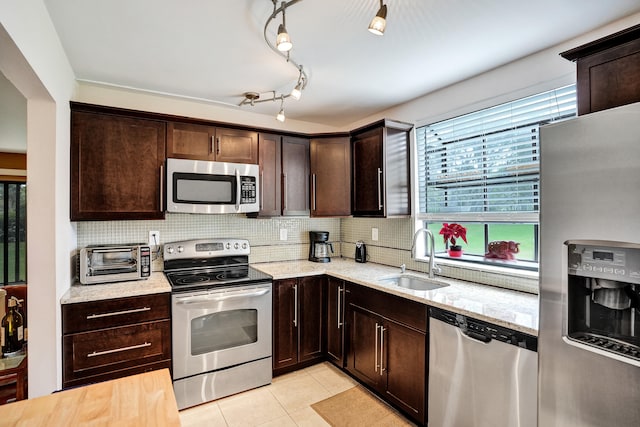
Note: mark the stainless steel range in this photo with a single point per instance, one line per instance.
(221, 310)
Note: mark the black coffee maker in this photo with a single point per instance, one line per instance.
(319, 246)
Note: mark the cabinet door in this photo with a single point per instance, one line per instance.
(269, 159)
(236, 146)
(404, 363)
(311, 317)
(189, 141)
(364, 346)
(116, 167)
(285, 331)
(295, 176)
(335, 320)
(330, 177)
(368, 190)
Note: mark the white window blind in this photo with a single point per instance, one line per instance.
(484, 166)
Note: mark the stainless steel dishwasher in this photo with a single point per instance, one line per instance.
(480, 374)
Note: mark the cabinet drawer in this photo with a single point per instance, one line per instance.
(401, 310)
(93, 353)
(111, 375)
(89, 316)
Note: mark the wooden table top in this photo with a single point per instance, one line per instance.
(135, 401)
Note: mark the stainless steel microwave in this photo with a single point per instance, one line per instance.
(205, 187)
(104, 264)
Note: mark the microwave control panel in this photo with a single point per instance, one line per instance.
(605, 261)
(248, 189)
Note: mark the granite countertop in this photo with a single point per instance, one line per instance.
(503, 307)
(156, 284)
(512, 309)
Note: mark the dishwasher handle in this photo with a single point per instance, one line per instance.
(476, 336)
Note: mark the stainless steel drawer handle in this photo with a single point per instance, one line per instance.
(375, 352)
(221, 296)
(338, 314)
(117, 350)
(118, 313)
(382, 368)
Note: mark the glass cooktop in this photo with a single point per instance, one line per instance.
(215, 277)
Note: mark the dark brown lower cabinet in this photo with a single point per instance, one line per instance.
(335, 320)
(298, 322)
(109, 339)
(388, 347)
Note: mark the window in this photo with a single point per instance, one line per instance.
(13, 246)
(482, 170)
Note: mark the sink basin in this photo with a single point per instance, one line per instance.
(410, 281)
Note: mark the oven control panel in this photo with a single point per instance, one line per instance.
(206, 248)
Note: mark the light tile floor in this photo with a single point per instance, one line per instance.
(285, 402)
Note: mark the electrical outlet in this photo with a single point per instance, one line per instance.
(283, 234)
(154, 238)
(374, 234)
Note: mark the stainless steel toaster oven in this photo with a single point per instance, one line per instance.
(104, 263)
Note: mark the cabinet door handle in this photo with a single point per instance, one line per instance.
(118, 313)
(212, 144)
(161, 187)
(314, 188)
(118, 350)
(295, 305)
(379, 188)
(382, 368)
(338, 315)
(284, 176)
(376, 349)
(218, 146)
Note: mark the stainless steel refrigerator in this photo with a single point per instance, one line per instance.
(588, 347)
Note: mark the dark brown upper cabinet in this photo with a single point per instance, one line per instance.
(330, 177)
(116, 166)
(201, 142)
(608, 71)
(284, 175)
(381, 182)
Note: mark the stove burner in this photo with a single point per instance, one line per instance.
(193, 278)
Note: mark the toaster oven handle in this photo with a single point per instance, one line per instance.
(106, 251)
(238, 190)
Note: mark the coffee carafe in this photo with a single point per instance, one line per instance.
(319, 246)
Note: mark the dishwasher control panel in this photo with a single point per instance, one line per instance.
(484, 331)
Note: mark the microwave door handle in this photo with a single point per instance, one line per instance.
(238, 190)
(106, 251)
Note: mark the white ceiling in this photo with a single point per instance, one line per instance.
(215, 49)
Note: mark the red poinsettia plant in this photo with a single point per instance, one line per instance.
(451, 232)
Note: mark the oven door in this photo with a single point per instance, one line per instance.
(219, 328)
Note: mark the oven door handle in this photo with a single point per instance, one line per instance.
(222, 296)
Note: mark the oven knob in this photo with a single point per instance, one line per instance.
(236, 245)
(170, 249)
(228, 245)
(180, 249)
(244, 245)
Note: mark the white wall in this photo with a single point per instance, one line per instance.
(13, 118)
(33, 60)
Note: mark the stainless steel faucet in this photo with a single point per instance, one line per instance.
(433, 268)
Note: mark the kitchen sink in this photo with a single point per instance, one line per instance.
(410, 281)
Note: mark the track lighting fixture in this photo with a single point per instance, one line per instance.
(280, 117)
(379, 22)
(283, 41)
(282, 47)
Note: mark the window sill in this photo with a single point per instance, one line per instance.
(466, 263)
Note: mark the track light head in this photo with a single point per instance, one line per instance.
(379, 22)
(283, 41)
(296, 93)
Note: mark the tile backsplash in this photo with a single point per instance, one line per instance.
(393, 246)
